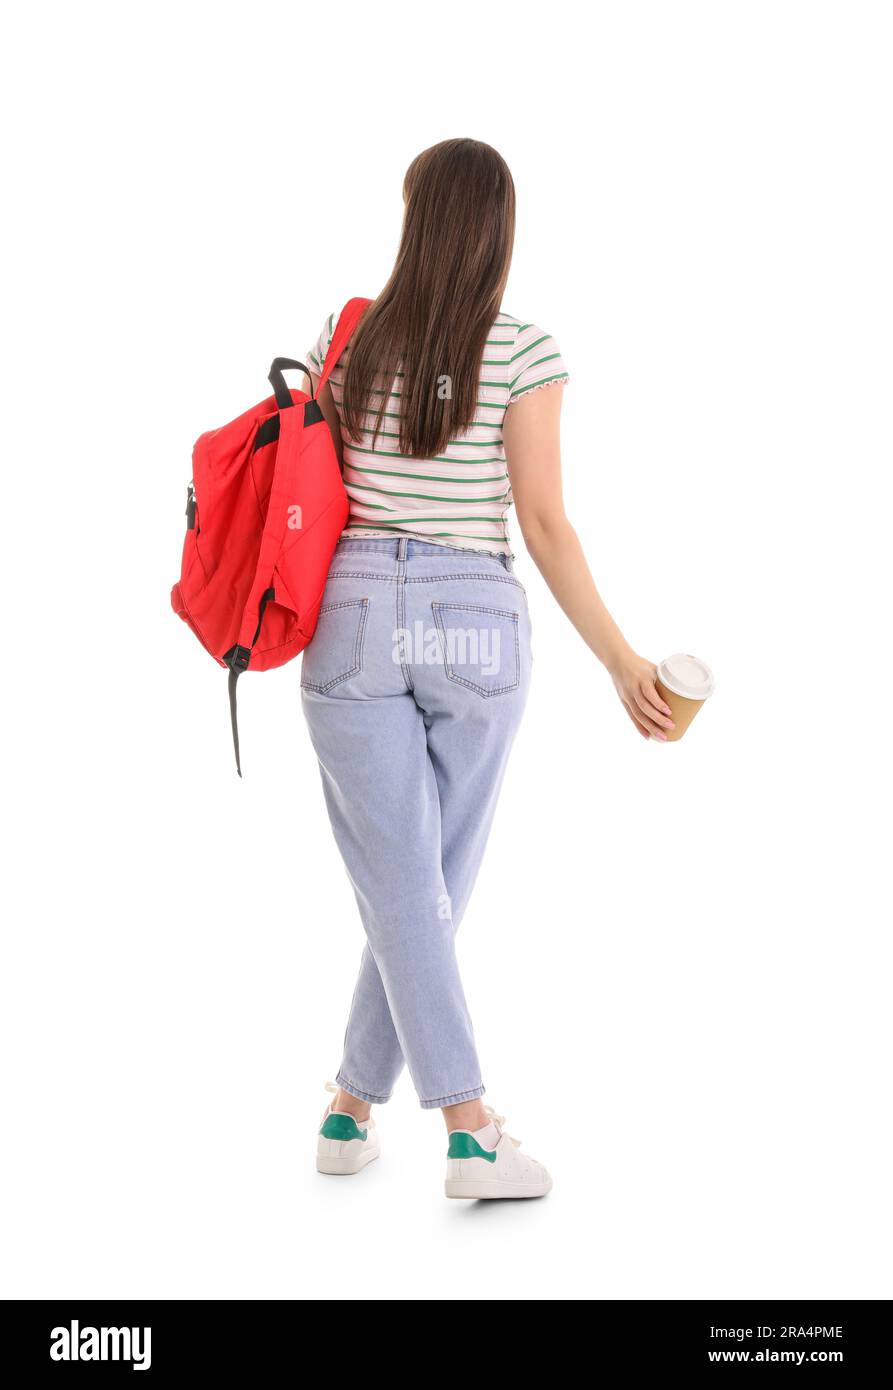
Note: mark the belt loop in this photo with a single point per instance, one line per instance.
(401, 548)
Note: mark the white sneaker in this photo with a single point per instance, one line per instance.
(344, 1145)
(492, 1169)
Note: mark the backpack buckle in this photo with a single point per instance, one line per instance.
(237, 658)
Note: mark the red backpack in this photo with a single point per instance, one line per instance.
(264, 512)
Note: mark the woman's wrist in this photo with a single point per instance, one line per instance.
(618, 656)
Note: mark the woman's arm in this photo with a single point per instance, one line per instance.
(532, 445)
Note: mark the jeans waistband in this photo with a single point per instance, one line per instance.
(405, 548)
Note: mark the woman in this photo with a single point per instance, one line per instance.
(444, 410)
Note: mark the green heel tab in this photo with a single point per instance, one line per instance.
(342, 1128)
(464, 1145)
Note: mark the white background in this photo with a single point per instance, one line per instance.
(678, 957)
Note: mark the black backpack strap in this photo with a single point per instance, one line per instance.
(237, 659)
(277, 380)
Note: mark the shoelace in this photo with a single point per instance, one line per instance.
(499, 1121)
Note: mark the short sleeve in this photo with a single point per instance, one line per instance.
(536, 361)
(316, 355)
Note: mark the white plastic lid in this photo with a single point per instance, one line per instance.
(686, 675)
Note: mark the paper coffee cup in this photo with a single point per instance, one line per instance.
(685, 682)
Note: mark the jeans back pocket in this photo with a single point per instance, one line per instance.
(479, 646)
(336, 652)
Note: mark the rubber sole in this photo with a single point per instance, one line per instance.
(482, 1189)
(344, 1166)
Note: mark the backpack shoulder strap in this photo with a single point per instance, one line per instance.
(347, 321)
(282, 492)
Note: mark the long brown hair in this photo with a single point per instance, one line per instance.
(431, 320)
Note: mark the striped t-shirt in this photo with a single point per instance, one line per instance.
(460, 498)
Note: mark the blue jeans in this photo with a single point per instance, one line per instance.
(413, 689)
